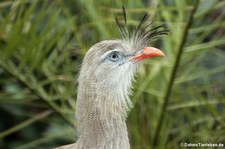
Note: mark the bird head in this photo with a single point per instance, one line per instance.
(110, 65)
(115, 60)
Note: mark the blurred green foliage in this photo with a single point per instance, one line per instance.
(178, 99)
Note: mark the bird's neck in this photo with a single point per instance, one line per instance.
(101, 115)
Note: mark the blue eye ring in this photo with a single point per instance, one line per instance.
(114, 56)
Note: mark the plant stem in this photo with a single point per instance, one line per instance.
(172, 76)
(25, 123)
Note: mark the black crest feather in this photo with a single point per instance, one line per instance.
(144, 32)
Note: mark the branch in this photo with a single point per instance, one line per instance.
(173, 76)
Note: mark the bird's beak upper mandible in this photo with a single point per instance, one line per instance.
(148, 52)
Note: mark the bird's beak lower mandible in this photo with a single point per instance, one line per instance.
(148, 52)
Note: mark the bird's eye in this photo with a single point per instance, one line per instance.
(114, 56)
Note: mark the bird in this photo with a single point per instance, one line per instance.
(105, 85)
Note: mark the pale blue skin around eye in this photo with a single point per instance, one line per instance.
(119, 62)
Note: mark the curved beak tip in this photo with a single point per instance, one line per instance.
(148, 52)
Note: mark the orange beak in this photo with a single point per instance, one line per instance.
(147, 53)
